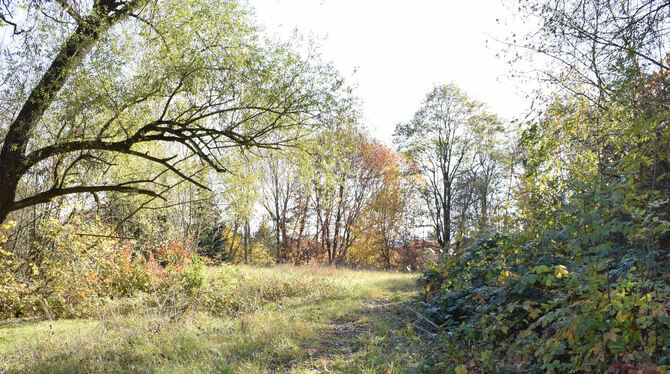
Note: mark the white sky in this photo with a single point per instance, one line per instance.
(401, 49)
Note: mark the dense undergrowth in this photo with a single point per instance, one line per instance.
(582, 284)
(592, 315)
(70, 275)
(87, 277)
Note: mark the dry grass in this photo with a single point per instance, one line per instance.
(247, 320)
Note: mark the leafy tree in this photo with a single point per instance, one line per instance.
(439, 141)
(572, 289)
(163, 82)
(280, 183)
(384, 216)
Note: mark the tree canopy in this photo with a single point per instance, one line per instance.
(157, 81)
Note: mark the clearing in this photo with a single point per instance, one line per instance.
(256, 320)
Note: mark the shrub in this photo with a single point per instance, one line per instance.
(73, 273)
(193, 277)
(524, 310)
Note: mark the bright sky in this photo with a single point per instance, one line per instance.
(400, 49)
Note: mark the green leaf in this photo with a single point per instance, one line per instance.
(542, 269)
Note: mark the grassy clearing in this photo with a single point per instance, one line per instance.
(296, 320)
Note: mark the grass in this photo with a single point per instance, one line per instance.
(254, 320)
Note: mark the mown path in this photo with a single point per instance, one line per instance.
(380, 335)
(365, 324)
(372, 339)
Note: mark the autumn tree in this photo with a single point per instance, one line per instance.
(343, 182)
(386, 215)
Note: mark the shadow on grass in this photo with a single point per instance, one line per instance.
(339, 333)
(378, 337)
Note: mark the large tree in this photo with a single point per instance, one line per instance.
(88, 86)
(442, 142)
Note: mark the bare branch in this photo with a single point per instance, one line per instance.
(46, 196)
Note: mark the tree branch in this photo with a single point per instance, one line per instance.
(70, 10)
(45, 196)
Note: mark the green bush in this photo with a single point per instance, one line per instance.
(193, 277)
(510, 304)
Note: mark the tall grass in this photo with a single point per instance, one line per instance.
(242, 319)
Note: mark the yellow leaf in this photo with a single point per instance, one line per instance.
(570, 336)
(503, 276)
(504, 329)
(461, 369)
(622, 316)
(534, 313)
(611, 335)
(561, 271)
(651, 341)
(594, 351)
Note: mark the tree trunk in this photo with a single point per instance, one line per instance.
(338, 221)
(247, 234)
(12, 156)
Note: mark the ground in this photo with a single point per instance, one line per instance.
(281, 320)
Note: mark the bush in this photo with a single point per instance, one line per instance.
(193, 278)
(73, 274)
(506, 304)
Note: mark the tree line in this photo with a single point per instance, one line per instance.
(244, 146)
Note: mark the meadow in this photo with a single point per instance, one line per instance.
(243, 320)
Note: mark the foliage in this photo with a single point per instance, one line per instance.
(193, 277)
(583, 285)
(453, 143)
(75, 274)
(211, 243)
(384, 220)
(343, 200)
(145, 83)
(530, 311)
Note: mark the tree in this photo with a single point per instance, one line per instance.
(239, 194)
(279, 184)
(612, 62)
(346, 173)
(479, 192)
(385, 215)
(438, 141)
(591, 43)
(163, 82)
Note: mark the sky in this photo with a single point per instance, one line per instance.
(395, 51)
